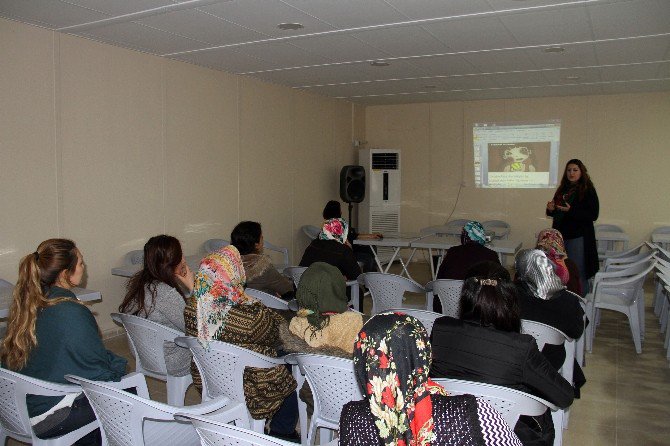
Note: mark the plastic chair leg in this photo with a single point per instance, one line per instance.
(634, 322)
(176, 389)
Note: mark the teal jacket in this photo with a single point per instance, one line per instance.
(68, 342)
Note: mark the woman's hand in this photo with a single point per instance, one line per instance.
(551, 206)
(565, 208)
(185, 276)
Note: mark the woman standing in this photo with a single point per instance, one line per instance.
(574, 208)
(51, 334)
(158, 293)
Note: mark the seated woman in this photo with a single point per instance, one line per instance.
(543, 298)
(402, 405)
(158, 293)
(219, 309)
(485, 345)
(262, 275)
(333, 209)
(551, 242)
(51, 334)
(323, 317)
(459, 259)
(331, 246)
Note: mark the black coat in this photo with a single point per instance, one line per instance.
(460, 259)
(333, 253)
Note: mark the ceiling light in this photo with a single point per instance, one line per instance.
(379, 63)
(553, 49)
(290, 26)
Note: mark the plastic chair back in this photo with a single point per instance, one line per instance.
(449, 293)
(214, 244)
(280, 249)
(620, 263)
(215, 433)
(510, 403)
(267, 299)
(312, 232)
(543, 333)
(333, 383)
(387, 290)
(14, 419)
(501, 228)
(427, 318)
(295, 273)
(135, 257)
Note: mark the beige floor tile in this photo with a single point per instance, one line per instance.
(641, 438)
(589, 435)
(651, 416)
(589, 412)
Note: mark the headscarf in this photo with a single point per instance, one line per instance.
(550, 241)
(392, 356)
(536, 271)
(321, 290)
(219, 286)
(334, 229)
(473, 231)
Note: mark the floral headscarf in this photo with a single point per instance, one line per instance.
(219, 286)
(334, 229)
(536, 271)
(550, 241)
(392, 359)
(473, 231)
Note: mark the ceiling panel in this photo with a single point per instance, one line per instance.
(472, 34)
(557, 25)
(521, 79)
(263, 16)
(632, 72)
(225, 59)
(500, 5)
(426, 9)
(444, 65)
(471, 82)
(370, 88)
(340, 48)
(492, 61)
(280, 55)
(574, 56)
(121, 7)
(402, 41)
(396, 69)
(133, 35)
(585, 75)
(636, 87)
(630, 18)
(314, 75)
(49, 13)
(203, 27)
(633, 50)
(349, 13)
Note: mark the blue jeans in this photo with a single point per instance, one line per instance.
(575, 250)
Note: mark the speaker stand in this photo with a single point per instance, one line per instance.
(351, 206)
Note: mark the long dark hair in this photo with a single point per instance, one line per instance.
(245, 236)
(583, 184)
(38, 271)
(489, 297)
(162, 255)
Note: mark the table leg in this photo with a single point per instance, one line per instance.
(392, 259)
(374, 253)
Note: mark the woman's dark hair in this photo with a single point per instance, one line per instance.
(332, 210)
(489, 297)
(583, 184)
(162, 255)
(245, 236)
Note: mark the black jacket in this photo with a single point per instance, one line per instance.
(334, 253)
(460, 259)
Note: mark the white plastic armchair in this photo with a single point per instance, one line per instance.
(214, 244)
(312, 232)
(221, 367)
(14, 418)
(501, 228)
(427, 318)
(387, 291)
(295, 273)
(146, 339)
(135, 257)
(619, 291)
(333, 383)
(127, 419)
(510, 403)
(267, 299)
(280, 249)
(449, 293)
(217, 433)
(623, 262)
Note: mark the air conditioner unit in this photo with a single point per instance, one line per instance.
(380, 210)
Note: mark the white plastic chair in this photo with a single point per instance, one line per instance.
(619, 291)
(501, 228)
(295, 273)
(267, 299)
(333, 383)
(280, 249)
(449, 293)
(14, 419)
(606, 247)
(511, 403)
(387, 291)
(312, 232)
(427, 318)
(135, 257)
(217, 433)
(221, 367)
(458, 224)
(146, 339)
(127, 419)
(662, 230)
(623, 262)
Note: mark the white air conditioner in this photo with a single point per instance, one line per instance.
(380, 210)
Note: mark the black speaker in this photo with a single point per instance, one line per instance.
(352, 184)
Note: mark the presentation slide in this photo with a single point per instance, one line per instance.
(516, 155)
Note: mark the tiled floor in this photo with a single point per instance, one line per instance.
(625, 399)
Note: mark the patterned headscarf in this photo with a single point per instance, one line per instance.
(322, 290)
(473, 231)
(536, 271)
(392, 357)
(219, 286)
(550, 241)
(334, 229)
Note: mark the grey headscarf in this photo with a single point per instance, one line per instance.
(535, 269)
